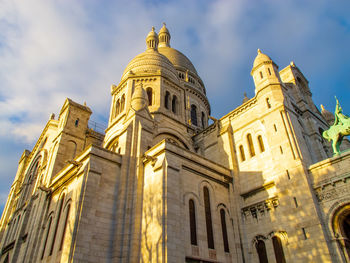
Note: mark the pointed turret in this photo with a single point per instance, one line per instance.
(139, 99)
(264, 72)
(152, 40)
(164, 37)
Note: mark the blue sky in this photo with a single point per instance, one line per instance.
(50, 50)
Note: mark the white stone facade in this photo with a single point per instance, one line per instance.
(161, 185)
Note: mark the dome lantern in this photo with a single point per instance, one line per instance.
(164, 37)
(152, 40)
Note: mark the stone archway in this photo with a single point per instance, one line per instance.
(341, 228)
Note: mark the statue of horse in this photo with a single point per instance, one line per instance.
(338, 130)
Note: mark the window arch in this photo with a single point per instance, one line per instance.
(194, 114)
(241, 151)
(149, 96)
(122, 104)
(60, 208)
(208, 220)
(174, 104)
(203, 119)
(261, 143)
(46, 236)
(224, 230)
(261, 250)
(193, 227)
(250, 145)
(166, 100)
(65, 226)
(278, 249)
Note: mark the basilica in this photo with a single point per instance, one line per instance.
(160, 184)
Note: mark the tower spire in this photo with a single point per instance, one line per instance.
(164, 37)
(152, 40)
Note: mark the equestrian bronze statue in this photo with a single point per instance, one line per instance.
(338, 130)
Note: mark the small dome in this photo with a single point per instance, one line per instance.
(152, 39)
(261, 58)
(164, 29)
(139, 99)
(164, 37)
(150, 61)
(178, 59)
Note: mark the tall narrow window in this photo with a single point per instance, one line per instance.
(193, 222)
(269, 71)
(268, 103)
(65, 226)
(46, 236)
(250, 145)
(261, 144)
(194, 114)
(122, 103)
(59, 212)
(117, 108)
(261, 75)
(174, 104)
(208, 221)
(261, 249)
(149, 96)
(224, 230)
(166, 100)
(203, 119)
(241, 151)
(277, 247)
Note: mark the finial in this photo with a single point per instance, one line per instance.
(85, 103)
(259, 51)
(153, 28)
(322, 108)
(292, 63)
(164, 24)
(245, 99)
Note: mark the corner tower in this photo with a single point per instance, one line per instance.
(264, 72)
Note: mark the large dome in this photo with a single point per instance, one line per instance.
(150, 61)
(178, 59)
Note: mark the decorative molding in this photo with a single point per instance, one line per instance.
(260, 209)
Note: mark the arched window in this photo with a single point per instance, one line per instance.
(149, 95)
(241, 151)
(59, 212)
(208, 221)
(224, 230)
(166, 100)
(76, 122)
(122, 103)
(65, 226)
(48, 227)
(193, 227)
(117, 108)
(250, 145)
(173, 104)
(277, 247)
(261, 249)
(261, 144)
(194, 114)
(203, 119)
